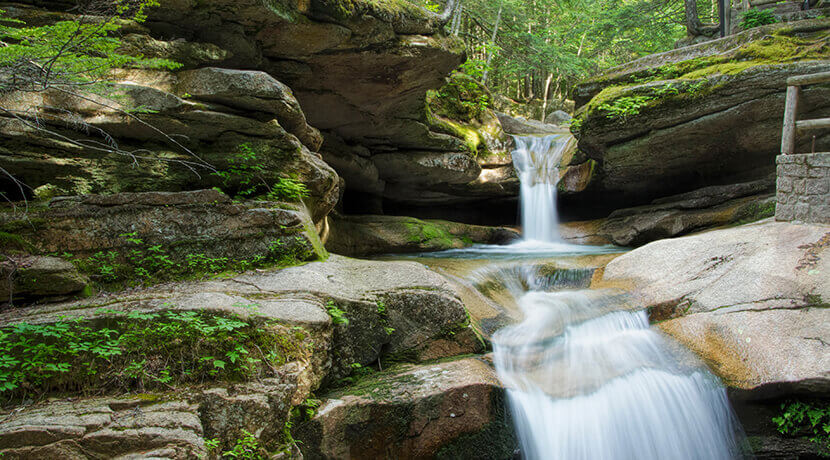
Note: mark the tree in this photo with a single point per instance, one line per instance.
(74, 57)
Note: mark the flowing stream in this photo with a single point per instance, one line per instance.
(587, 378)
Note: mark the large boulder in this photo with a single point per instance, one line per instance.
(38, 276)
(358, 236)
(336, 56)
(197, 141)
(380, 308)
(751, 301)
(250, 90)
(708, 114)
(454, 409)
(130, 236)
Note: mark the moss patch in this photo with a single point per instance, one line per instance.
(425, 232)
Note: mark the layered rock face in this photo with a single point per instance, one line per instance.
(703, 115)
(454, 409)
(386, 309)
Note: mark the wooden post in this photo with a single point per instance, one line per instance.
(788, 132)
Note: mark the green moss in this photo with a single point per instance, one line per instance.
(462, 98)
(623, 101)
(11, 241)
(383, 9)
(755, 211)
(422, 232)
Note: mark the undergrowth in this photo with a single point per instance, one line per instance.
(145, 263)
(245, 177)
(806, 419)
(139, 351)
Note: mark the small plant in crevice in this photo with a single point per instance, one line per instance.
(247, 448)
(806, 419)
(338, 316)
(246, 174)
(756, 17)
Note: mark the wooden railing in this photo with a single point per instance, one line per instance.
(793, 126)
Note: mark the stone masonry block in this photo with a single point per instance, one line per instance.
(784, 212)
(820, 186)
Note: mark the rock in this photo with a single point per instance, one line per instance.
(705, 115)
(127, 427)
(392, 308)
(150, 425)
(188, 54)
(215, 138)
(454, 409)
(183, 224)
(677, 215)
(250, 90)
(426, 168)
(358, 236)
(353, 164)
(523, 126)
(751, 301)
(558, 117)
(39, 276)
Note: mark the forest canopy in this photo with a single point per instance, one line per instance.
(529, 49)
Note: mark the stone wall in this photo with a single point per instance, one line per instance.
(803, 188)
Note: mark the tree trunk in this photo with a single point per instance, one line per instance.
(693, 24)
(491, 52)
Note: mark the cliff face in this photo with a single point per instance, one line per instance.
(357, 70)
(704, 115)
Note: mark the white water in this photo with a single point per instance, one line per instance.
(536, 160)
(587, 377)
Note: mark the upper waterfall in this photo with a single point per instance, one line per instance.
(536, 159)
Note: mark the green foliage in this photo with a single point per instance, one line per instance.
(287, 189)
(78, 52)
(140, 350)
(245, 175)
(565, 41)
(808, 419)
(381, 308)
(756, 17)
(146, 264)
(625, 106)
(462, 98)
(247, 448)
(622, 102)
(338, 316)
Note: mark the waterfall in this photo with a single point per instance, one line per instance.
(536, 160)
(588, 379)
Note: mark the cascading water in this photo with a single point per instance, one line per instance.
(536, 160)
(586, 376)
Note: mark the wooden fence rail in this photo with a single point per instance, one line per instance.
(791, 125)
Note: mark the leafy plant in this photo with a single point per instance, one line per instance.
(756, 17)
(140, 350)
(812, 420)
(338, 316)
(247, 447)
(246, 174)
(287, 189)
